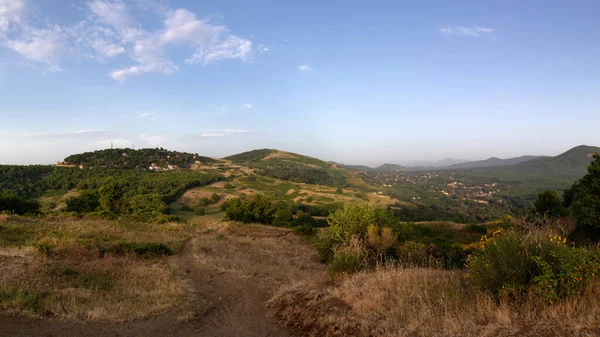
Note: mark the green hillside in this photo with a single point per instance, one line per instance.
(540, 174)
(141, 159)
(293, 167)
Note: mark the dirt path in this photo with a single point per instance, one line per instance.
(222, 303)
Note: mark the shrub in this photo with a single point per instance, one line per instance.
(186, 208)
(228, 186)
(142, 249)
(508, 263)
(214, 198)
(262, 208)
(348, 258)
(204, 201)
(200, 211)
(85, 203)
(305, 230)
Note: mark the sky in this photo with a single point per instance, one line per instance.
(356, 82)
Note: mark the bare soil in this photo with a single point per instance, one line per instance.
(223, 300)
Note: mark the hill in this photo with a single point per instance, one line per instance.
(542, 173)
(293, 167)
(158, 159)
(390, 168)
(491, 162)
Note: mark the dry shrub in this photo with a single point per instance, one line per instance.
(427, 302)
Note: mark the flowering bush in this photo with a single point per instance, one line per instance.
(508, 263)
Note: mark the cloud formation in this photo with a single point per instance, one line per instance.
(149, 114)
(109, 29)
(247, 105)
(304, 68)
(475, 31)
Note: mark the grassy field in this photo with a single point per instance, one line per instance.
(426, 302)
(308, 194)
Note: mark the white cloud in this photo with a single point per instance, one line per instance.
(304, 68)
(110, 29)
(113, 13)
(149, 114)
(181, 26)
(247, 105)
(238, 131)
(212, 135)
(475, 31)
(10, 13)
(45, 46)
(232, 48)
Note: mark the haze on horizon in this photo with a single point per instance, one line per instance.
(363, 83)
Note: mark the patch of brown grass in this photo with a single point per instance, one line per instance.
(59, 271)
(427, 302)
(273, 255)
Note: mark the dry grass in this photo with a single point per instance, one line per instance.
(426, 302)
(54, 267)
(274, 255)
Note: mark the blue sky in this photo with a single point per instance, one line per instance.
(361, 82)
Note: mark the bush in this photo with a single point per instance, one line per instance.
(228, 186)
(186, 208)
(348, 258)
(262, 208)
(214, 198)
(305, 230)
(508, 263)
(142, 249)
(85, 203)
(18, 205)
(200, 211)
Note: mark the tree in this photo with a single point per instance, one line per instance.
(584, 198)
(86, 202)
(549, 204)
(111, 196)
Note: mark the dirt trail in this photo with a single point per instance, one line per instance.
(222, 304)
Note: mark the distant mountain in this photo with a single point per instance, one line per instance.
(541, 173)
(390, 168)
(448, 162)
(428, 165)
(491, 162)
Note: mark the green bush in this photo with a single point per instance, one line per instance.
(305, 230)
(186, 208)
(87, 202)
(142, 249)
(508, 263)
(200, 211)
(348, 258)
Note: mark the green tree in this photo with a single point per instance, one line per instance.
(86, 202)
(549, 203)
(111, 196)
(584, 198)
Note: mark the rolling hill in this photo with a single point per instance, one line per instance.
(293, 167)
(491, 162)
(131, 159)
(542, 173)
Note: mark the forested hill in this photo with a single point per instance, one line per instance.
(491, 162)
(141, 159)
(293, 167)
(571, 165)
